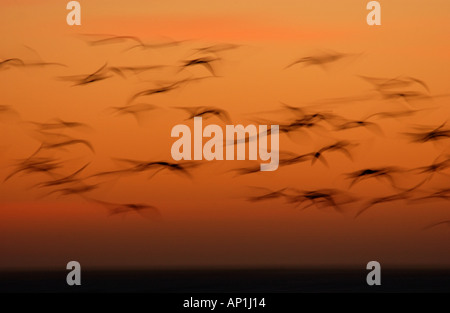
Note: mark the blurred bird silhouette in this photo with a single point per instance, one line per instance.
(378, 173)
(402, 195)
(78, 189)
(35, 165)
(143, 166)
(138, 110)
(203, 61)
(441, 223)
(107, 39)
(166, 88)
(156, 45)
(217, 48)
(435, 167)
(65, 143)
(350, 124)
(340, 146)
(395, 114)
(19, 63)
(248, 170)
(407, 96)
(72, 178)
(118, 208)
(269, 194)
(105, 72)
(8, 113)
(85, 79)
(321, 59)
(125, 71)
(206, 112)
(438, 133)
(58, 123)
(54, 141)
(397, 82)
(390, 198)
(320, 198)
(441, 194)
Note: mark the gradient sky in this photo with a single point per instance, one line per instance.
(207, 221)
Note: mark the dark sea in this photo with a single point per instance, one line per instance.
(228, 281)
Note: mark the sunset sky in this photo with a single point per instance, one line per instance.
(207, 220)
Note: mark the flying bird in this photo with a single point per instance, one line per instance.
(58, 123)
(119, 208)
(77, 189)
(85, 79)
(158, 45)
(165, 88)
(206, 112)
(441, 223)
(203, 61)
(35, 165)
(350, 124)
(11, 62)
(435, 167)
(110, 39)
(321, 59)
(248, 170)
(403, 195)
(378, 173)
(66, 143)
(394, 114)
(438, 133)
(340, 146)
(72, 178)
(404, 95)
(441, 194)
(319, 198)
(19, 63)
(397, 82)
(217, 48)
(143, 166)
(269, 194)
(390, 198)
(7, 112)
(137, 110)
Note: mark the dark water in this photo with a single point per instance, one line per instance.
(228, 281)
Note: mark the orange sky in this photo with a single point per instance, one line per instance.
(207, 221)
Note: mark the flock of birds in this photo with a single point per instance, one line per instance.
(408, 90)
